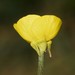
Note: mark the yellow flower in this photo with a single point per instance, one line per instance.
(38, 30)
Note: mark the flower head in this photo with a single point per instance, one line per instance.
(38, 30)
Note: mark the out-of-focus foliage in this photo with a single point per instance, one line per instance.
(17, 57)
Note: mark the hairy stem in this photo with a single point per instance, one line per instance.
(40, 64)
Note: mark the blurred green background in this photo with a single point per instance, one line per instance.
(16, 55)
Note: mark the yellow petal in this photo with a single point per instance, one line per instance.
(23, 27)
(38, 29)
(53, 25)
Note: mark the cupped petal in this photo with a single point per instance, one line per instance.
(52, 25)
(23, 27)
(38, 29)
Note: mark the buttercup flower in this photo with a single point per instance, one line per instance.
(38, 30)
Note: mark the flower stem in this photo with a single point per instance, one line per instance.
(40, 64)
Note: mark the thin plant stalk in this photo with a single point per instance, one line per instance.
(40, 64)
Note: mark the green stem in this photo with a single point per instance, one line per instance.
(40, 64)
